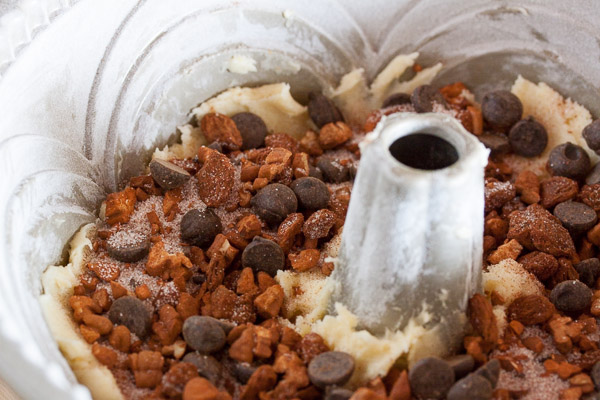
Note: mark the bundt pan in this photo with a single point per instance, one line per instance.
(88, 88)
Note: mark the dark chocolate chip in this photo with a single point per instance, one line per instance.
(330, 368)
(199, 278)
(252, 129)
(591, 134)
(496, 142)
(424, 97)
(501, 109)
(132, 313)
(528, 138)
(396, 99)
(431, 378)
(274, 203)
(312, 193)
(199, 228)
(490, 371)
(472, 387)
(315, 172)
(216, 146)
(337, 393)
(569, 160)
(226, 325)
(571, 296)
(168, 175)
(462, 364)
(332, 170)
(263, 255)
(577, 217)
(593, 176)
(322, 110)
(595, 374)
(203, 334)
(128, 252)
(208, 366)
(589, 271)
(243, 371)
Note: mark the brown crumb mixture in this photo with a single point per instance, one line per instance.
(179, 300)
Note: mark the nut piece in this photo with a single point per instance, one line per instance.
(221, 129)
(202, 389)
(334, 134)
(305, 260)
(482, 318)
(120, 206)
(269, 303)
(530, 310)
(216, 178)
(147, 368)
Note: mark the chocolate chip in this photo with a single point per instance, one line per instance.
(577, 217)
(591, 134)
(332, 170)
(315, 172)
(528, 138)
(473, 387)
(203, 334)
(490, 371)
(593, 176)
(274, 203)
(501, 109)
(396, 99)
(263, 255)
(312, 193)
(167, 175)
(462, 364)
(208, 366)
(431, 378)
(243, 371)
(128, 252)
(595, 374)
(588, 271)
(424, 97)
(571, 296)
(330, 368)
(322, 110)
(252, 128)
(199, 228)
(338, 393)
(569, 160)
(496, 142)
(216, 146)
(132, 313)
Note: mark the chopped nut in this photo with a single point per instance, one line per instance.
(120, 206)
(319, 224)
(530, 310)
(101, 324)
(511, 250)
(147, 368)
(556, 190)
(105, 355)
(334, 134)
(311, 346)
(202, 389)
(169, 325)
(216, 178)
(221, 129)
(176, 378)
(249, 227)
(160, 261)
(120, 338)
(305, 260)
(310, 144)
(482, 318)
(263, 379)
(269, 303)
(142, 292)
(288, 229)
(528, 187)
(300, 165)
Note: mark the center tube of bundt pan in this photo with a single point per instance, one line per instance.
(412, 242)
